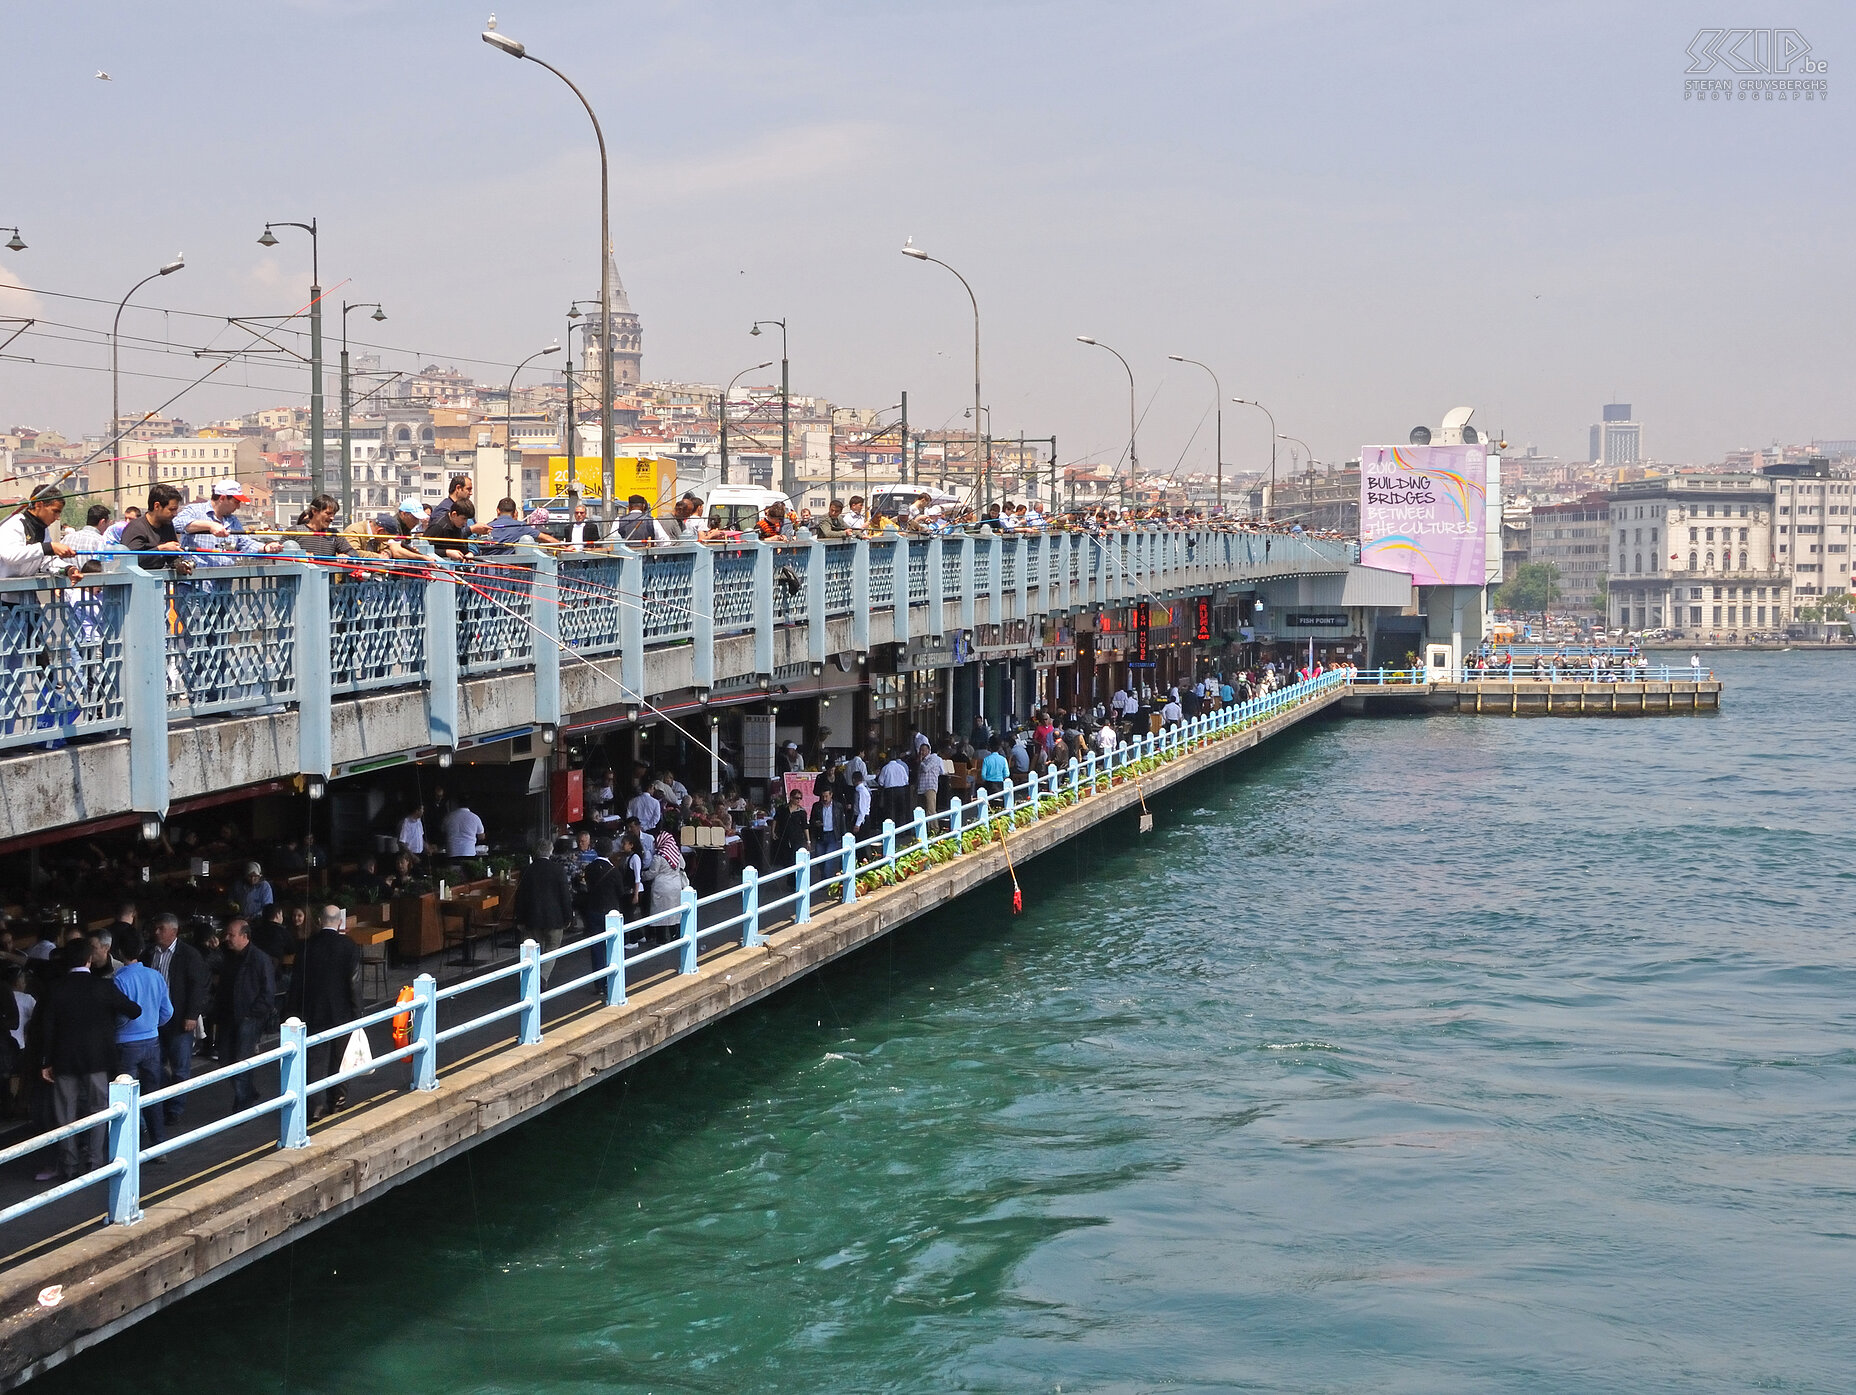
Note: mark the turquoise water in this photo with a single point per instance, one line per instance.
(1429, 1054)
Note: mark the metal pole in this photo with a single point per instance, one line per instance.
(320, 466)
(1218, 402)
(902, 470)
(116, 464)
(831, 458)
(721, 413)
(347, 434)
(787, 483)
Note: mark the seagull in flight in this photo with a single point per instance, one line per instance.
(102, 76)
(491, 26)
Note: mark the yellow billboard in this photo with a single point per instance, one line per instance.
(655, 479)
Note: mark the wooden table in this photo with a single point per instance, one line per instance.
(370, 934)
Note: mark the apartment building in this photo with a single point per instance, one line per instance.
(1699, 554)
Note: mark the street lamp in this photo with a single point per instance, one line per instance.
(347, 432)
(1269, 499)
(509, 412)
(787, 483)
(909, 249)
(1134, 460)
(116, 432)
(721, 412)
(517, 50)
(15, 243)
(269, 239)
(1284, 436)
(1217, 401)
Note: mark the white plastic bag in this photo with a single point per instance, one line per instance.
(358, 1053)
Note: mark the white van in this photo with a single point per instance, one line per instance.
(737, 507)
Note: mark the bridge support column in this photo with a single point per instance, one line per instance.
(860, 595)
(441, 660)
(145, 691)
(547, 617)
(815, 603)
(702, 619)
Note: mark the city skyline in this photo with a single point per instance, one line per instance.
(1217, 203)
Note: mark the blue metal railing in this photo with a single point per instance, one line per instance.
(61, 659)
(231, 640)
(590, 613)
(1525, 673)
(744, 914)
(376, 633)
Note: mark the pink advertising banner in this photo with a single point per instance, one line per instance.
(1421, 512)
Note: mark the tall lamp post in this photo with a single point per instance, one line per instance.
(115, 436)
(269, 239)
(347, 432)
(516, 50)
(1269, 500)
(509, 413)
(1134, 460)
(1218, 402)
(909, 249)
(721, 412)
(788, 485)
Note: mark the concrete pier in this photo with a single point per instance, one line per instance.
(1540, 698)
(110, 1278)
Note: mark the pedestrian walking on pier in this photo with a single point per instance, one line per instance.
(322, 995)
(248, 1004)
(138, 1037)
(77, 1043)
(545, 897)
(189, 983)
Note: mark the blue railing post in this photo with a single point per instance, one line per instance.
(802, 887)
(815, 601)
(314, 714)
(1089, 768)
(691, 923)
(702, 618)
(860, 595)
(983, 801)
(631, 625)
(529, 980)
(954, 813)
(125, 1140)
(921, 827)
(615, 959)
(1031, 794)
(1076, 771)
(547, 646)
(849, 856)
(293, 1118)
(145, 689)
(889, 842)
(764, 556)
(1009, 801)
(441, 659)
(750, 908)
(425, 1032)
(901, 624)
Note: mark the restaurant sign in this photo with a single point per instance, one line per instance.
(1317, 620)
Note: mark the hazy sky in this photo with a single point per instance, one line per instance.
(1362, 215)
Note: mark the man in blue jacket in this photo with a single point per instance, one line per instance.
(138, 1038)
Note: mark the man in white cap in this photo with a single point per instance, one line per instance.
(394, 532)
(213, 526)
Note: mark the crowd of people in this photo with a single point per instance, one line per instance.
(170, 533)
(140, 998)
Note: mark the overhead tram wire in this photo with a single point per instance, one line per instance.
(413, 353)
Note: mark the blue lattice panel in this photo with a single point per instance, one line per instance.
(61, 662)
(734, 591)
(790, 603)
(231, 642)
(918, 571)
(494, 615)
(883, 573)
(840, 563)
(590, 604)
(376, 633)
(667, 588)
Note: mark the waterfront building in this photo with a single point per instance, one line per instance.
(1697, 554)
(1572, 538)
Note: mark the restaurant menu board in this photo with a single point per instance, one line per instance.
(802, 781)
(1422, 512)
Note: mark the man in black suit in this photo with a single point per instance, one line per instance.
(322, 994)
(188, 985)
(247, 1004)
(581, 533)
(77, 1046)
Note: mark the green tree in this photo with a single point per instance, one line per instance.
(1602, 599)
(1534, 586)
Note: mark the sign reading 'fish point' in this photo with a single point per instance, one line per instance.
(1422, 512)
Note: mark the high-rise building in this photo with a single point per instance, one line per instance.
(1617, 440)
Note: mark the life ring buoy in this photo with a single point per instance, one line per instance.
(402, 1023)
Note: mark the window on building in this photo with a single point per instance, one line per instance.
(1694, 535)
(1710, 561)
(1694, 615)
(1717, 615)
(1742, 561)
(1762, 616)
